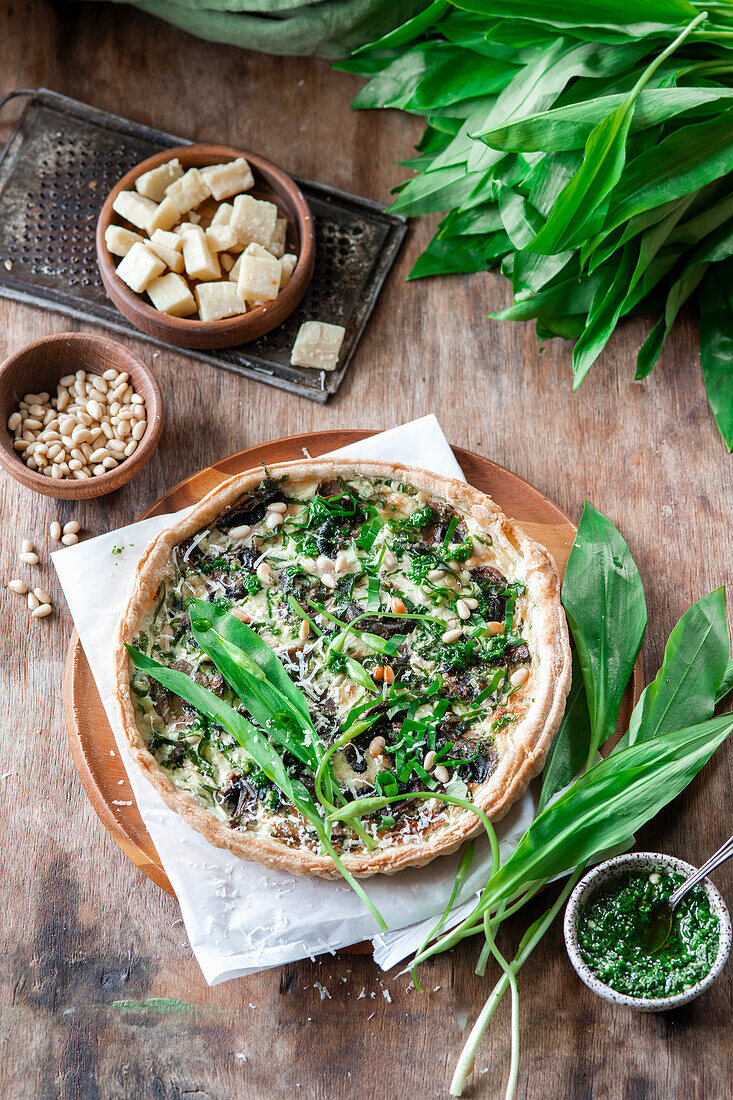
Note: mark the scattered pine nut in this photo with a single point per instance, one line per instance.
(72, 527)
(519, 677)
(26, 546)
(41, 595)
(305, 630)
(429, 761)
(494, 628)
(33, 602)
(29, 558)
(397, 605)
(17, 585)
(388, 674)
(464, 611)
(441, 774)
(42, 611)
(377, 746)
(451, 635)
(69, 540)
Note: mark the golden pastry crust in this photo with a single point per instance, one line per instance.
(524, 745)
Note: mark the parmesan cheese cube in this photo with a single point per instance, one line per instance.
(139, 267)
(317, 345)
(217, 300)
(170, 240)
(277, 240)
(223, 214)
(171, 256)
(234, 273)
(226, 261)
(220, 237)
(119, 241)
(134, 208)
(164, 216)
(259, 275)
(200, 262)
(188, 191)
(184, 227)
(253, 220)
(152, 184)
(288, 267)
(171, 294)
(229, 179)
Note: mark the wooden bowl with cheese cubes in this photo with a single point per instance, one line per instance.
(206, 246)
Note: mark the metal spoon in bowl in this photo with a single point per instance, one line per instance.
(661, 917)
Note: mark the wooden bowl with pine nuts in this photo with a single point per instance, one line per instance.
(102, 422)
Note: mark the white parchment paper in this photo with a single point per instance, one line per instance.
(241, 917)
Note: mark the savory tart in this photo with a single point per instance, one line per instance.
(326, 636)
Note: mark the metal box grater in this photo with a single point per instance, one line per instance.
(63, 158)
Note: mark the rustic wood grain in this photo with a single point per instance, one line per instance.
(83, 930)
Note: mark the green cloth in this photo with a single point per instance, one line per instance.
(327, 28)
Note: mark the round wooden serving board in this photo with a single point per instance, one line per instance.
(92, 741)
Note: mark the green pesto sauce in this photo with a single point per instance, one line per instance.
(612, 928)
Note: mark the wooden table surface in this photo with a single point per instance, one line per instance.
(83, 931)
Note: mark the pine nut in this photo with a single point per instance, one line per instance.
(56, 471)
(471, 602)
(323, 562)
(441, 774)
(342, 563)
(278, 506)
(110, 375)
(98, 470)
(264, 573)
(42, 611)
(429, 760)
(388, 674)
(33, 601)
(108, 431)
(55, 530)
(378, 674)
(519, 677)
(397, 606)
(14, 421)
(99, 454)
(41, 595)
(464, 612)
(17, 585)
(130, 448)
(451, 636)
(136, 399)
(34, 424)
(138, 429)
(75, 464)
(26, 546)
(116, 447)
(80, 475)
(494, 628)
(240, 532)
(436, 575)
(274, 519)
(73, 527)
(67, 380)
(377, 746)
(110, 463)
(305, 630)
(122, 431)
(21, 444)
(328, 581)
(94, 409)
(69, 540)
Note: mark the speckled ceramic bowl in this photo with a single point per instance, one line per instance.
(608, 872)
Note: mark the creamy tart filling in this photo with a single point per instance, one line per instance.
(405, 627)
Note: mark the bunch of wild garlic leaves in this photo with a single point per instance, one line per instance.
(585, 148)
(671, 735)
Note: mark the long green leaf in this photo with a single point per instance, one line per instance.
(610, 802)
(608, 303)
(685, 688)
(604, 601)
(586, 12)
(569, 127)
(252, 740)
(716, 345)
(679, 292)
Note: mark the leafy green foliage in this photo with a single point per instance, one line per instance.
(587, 153)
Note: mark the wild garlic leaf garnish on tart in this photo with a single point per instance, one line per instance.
(327, 631)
